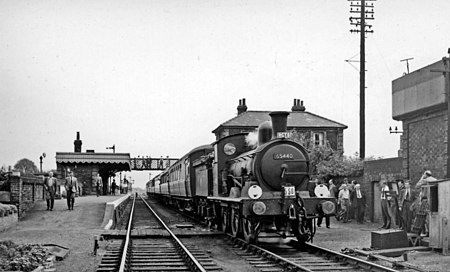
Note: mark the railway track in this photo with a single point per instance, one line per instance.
(165, 252)
(290, 257)
(162, 252)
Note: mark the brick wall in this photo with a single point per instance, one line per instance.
(25, 191)
(83, 173)
(374, 171)
(424, 145)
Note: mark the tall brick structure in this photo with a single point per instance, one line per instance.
(419, 101)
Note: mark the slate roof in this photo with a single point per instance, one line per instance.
(122, 159)
(295, 119)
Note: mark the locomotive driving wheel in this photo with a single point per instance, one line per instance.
(235, 222)
(250, 229)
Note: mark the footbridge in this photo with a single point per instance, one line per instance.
(147, 163)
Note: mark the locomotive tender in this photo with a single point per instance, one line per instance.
(245, 190)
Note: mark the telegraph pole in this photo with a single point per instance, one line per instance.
(365, 13)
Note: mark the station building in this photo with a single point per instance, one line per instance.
(307, 128)
(86, 166)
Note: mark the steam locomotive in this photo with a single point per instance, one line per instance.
(245, 190)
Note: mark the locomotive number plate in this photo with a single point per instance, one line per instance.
(289, 191)
(283, 156)
(283, 135)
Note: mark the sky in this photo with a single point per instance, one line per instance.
(154, 78)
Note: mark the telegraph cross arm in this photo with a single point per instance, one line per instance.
(440, 71)
(141, 164)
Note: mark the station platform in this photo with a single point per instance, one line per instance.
(73, 229)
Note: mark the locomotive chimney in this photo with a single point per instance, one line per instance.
(77, 143)
(264, 132)
(279, 122)
(242, 107)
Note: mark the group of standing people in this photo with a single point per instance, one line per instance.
(351, 200)
(71, 186)
(50, 187)
(407, 205)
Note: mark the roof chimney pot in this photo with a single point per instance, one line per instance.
(242, 107)
(296, 106)
(77, 143)
(302, 108)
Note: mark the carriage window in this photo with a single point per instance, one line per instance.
(318, 138)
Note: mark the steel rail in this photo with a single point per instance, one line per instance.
(192, 259)
(353, 259)
(271, 254)
(123, 262)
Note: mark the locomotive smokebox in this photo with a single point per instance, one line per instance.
(279, 122)
(264, 132)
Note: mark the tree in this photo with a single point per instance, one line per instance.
(327, 163)
(25, 166)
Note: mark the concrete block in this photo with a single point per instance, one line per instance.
(385, 239)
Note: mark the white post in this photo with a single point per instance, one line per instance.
(444, 236)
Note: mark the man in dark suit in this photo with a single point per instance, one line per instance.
(406, 198)
(358, 200)
(71, 189)
(50, 191)
(385, 197)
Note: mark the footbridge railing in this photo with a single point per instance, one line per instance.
(147, 163)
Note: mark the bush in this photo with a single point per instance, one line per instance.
(327, 163)
(21, 257)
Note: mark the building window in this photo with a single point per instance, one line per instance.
(225, 132)
(319, 139)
